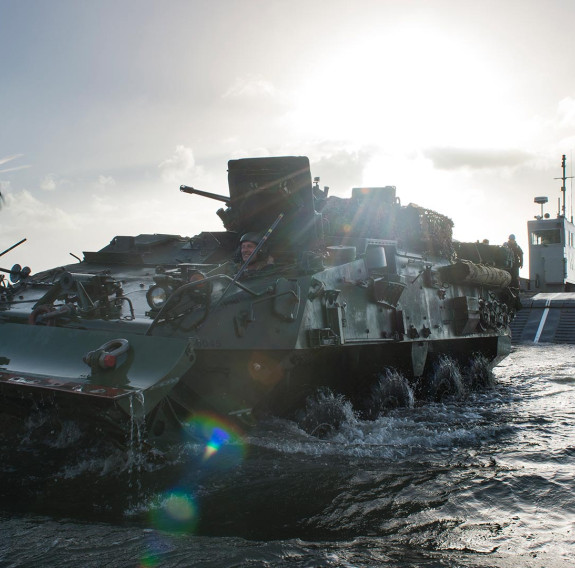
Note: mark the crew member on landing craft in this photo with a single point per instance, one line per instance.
(512, 245)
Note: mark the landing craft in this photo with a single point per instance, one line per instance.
(548, 296)
(161, 328)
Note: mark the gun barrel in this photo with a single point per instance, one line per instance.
(187, 189)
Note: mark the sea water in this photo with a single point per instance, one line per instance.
(486, 479)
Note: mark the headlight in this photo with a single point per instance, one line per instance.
(157, 296)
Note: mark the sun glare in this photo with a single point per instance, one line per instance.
(413, 86)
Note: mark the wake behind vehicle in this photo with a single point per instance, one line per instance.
(162, 328)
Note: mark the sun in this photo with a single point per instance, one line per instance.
(411, 86)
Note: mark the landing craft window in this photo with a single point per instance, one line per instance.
(546, 237)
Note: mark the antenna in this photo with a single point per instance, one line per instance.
(571, 188)
(563, 178)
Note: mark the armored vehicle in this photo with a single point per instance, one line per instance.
(160, 328)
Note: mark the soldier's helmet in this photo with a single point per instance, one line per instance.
(255, 237)
(251, 237)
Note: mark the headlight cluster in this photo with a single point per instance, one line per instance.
(166, 284)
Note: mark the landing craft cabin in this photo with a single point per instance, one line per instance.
(551, 252)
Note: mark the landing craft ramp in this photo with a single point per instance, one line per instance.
(546, 318)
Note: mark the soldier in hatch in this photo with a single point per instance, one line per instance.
(262, 260)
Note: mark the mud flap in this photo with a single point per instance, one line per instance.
(503, 345)
(42, 358)
(418, 357)
(503, 348)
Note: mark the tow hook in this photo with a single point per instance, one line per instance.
(106, 357)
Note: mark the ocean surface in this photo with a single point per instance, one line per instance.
(485, 479)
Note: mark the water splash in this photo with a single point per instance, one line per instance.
(135, 450)
(44, 427)
(324, 412)
(445, 380)
(478, 373)
(391, 390)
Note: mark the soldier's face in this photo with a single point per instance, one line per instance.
(247, 248)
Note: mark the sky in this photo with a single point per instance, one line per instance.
(108, 106)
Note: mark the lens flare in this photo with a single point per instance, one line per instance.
(177, 514)
(217, 436)
(265, 369)
(221, 447)
(149, 560)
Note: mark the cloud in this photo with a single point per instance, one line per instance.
(107, 181)
(249, 99)
(51, 181)
(47, 229)
(27, 211)
(48, 183)
(340, 168)
(179, 166)
(102, 205)
(4, 186)
(256, 152)
(251, 86)
(448, 158)
(566, 111)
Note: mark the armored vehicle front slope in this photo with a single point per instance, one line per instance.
(162, 328)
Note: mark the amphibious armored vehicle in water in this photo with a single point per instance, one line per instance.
(161, 328)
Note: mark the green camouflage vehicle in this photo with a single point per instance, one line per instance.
(160, 328)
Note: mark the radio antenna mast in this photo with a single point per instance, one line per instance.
(571, 183)
(563, 188)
